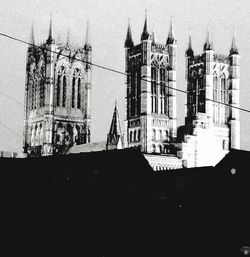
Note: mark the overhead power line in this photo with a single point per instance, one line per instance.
(112, 70)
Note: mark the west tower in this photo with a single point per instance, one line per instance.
(151, 96)
(212, 124)
(57, 96)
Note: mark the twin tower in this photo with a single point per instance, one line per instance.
(58, 89)
(212, 123)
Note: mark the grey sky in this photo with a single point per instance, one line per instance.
(108, 24)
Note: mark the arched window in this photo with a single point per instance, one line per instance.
(64, 91)
(215, 98)
(224, 93)
(160, 134)
(131, 136)
(162, 91)
(153, 148)
(139, 135)
(160, 149)
(153, 90)
(154, 134)
(223, 89)
(135, 139)
(79, 93)
(32, 139)
(58, 90)
(201, 95)
(73, 93)
(133, 93)
(41, 135)
(42, 87)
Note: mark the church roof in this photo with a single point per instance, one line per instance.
(90, 147)
(163, 162)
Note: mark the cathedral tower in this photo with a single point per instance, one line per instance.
(213, 87)
(57, 96)
(151, 98)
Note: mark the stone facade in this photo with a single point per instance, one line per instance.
(57, 96)
(212, 126)
(151, 98)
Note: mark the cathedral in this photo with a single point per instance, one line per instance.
(58, 91)
(57, 96)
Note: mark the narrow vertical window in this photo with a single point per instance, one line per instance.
(64, 91)
(201, 95)
(215, 98)
(73, 93)
(153, 90)
(58, 91)
(79, 93)
(162, 91)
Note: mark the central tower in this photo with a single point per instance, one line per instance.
(151, 95)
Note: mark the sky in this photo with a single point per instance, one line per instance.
(108, 20)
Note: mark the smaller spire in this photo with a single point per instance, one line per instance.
(115, 133)
(153, 34)
(129, 41)
(145, 34)
(189, 51)
(87, 45)
(50, 39)
(32, 37)
(208, 43)
(234, 49)
(171, 34)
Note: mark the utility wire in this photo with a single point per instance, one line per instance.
(113, 70)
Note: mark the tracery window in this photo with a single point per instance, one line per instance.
(58, 90)
(76, 89)
(42, 87)
(64, 91)
(153, 90)
(79, 93)
(163, 98)
(73, 93)
(215, 98)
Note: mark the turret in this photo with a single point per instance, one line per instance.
(234, 89)
(209, 62)
(208, 43)
(171, 34)
(145, 33)
(50, 39)
(189, 51)
(87, 45)
(172, 50)
(129, 41)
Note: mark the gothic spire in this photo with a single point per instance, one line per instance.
(190, 51)
(87, 45)
(234, 49)
(129, 41)
(115, 132)
(50, 39)
(171, 34)
(32, 37)
(145, 34)
(153, 35)
(208, 43)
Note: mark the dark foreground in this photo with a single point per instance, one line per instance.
(113, 204)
